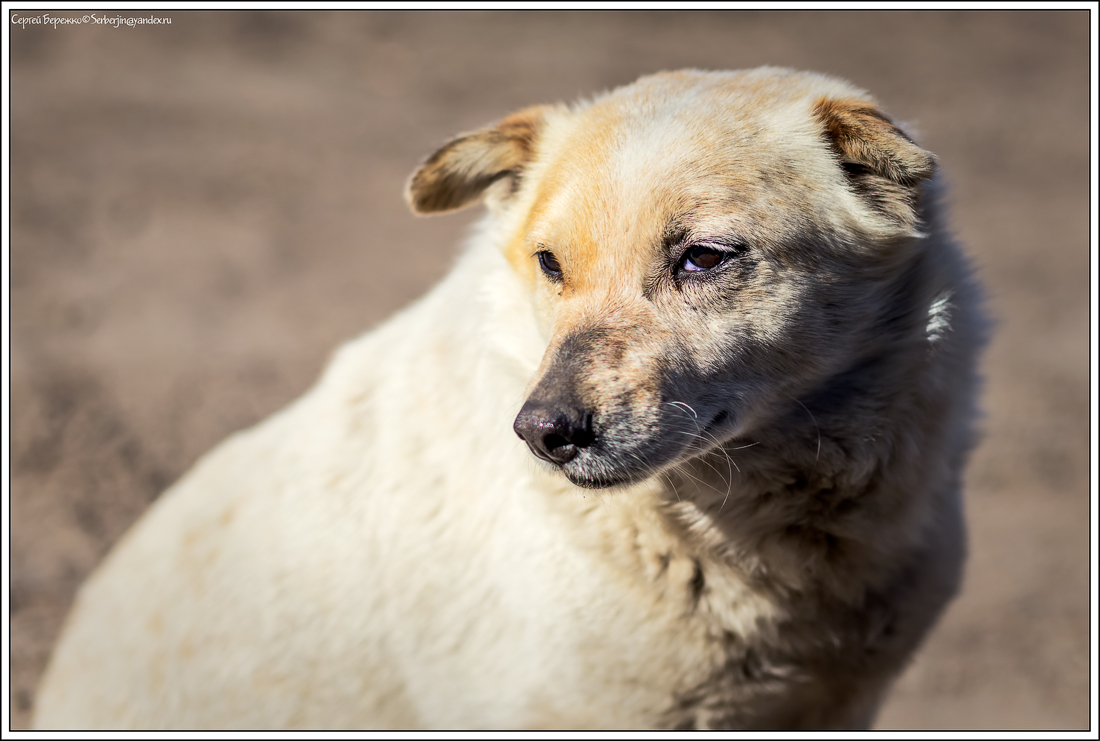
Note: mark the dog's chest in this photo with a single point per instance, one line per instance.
(639, 622)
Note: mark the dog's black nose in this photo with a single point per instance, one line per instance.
(554, 433)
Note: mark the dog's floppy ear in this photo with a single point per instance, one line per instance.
(460, 171)
(880, 161)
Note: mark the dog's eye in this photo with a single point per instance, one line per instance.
(701, 258)
(550, 265)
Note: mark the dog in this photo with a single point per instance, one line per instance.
(677, 444)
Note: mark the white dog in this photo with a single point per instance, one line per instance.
(721, 311)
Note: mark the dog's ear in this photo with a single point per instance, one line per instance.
(881, 163)
(463, 168)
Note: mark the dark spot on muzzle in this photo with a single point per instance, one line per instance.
(554, 432)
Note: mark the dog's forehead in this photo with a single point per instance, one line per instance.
(713, 153)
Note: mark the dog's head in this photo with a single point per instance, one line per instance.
(702, 248)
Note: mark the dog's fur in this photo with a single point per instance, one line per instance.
(781, 437)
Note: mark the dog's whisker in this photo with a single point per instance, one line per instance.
(709, 437)
(683, 405)
(813, 419)
(669, 484)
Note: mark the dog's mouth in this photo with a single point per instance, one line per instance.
(589, 482)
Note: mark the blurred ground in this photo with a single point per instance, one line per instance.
(201, 212)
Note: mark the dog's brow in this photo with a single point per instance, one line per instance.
(674, 232)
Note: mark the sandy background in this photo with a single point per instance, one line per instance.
(201, 212)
